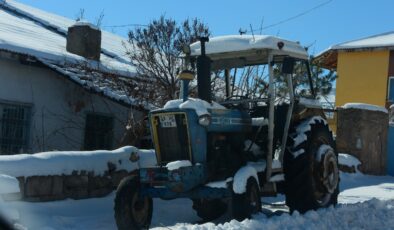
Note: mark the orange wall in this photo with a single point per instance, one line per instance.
(362, 77)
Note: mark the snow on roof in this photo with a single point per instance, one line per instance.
(233, 43)
(375, 41)
(365, 107)
(328, 57)
(29, 31)
(110, 43)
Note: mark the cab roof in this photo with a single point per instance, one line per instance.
(244, 50)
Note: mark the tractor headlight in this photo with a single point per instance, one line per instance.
(204, 120)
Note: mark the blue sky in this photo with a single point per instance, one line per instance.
(334, 22)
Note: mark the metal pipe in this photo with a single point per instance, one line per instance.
(184, 90)
(204, 74)
(271, 92)
(227, 79)
(308, 68)
(288, 117)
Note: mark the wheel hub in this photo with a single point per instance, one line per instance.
(330, 171)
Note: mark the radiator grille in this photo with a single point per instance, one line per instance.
(173, 142)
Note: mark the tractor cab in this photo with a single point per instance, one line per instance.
(221, 137)
(255, 123)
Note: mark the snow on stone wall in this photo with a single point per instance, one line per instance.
(364, 106)
(59, 175)
(348, 163)
(66, 162)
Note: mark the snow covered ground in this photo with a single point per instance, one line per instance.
(366, 202)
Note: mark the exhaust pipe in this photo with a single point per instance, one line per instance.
(204, 73)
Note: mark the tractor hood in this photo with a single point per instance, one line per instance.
(244, 50)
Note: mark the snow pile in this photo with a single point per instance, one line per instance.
(276, 164)
(233, 43)
(277, 178)
(178, 164)
(8, 184)
(241, 178)
(219, 184)
(58, 163)
(310, 102)
(200, 106)
(298, 152)
(357, 187)
(85, 23)
(373, 214)
(256, 150)
(365, 107)
(259, 121)
(348, 160)
(259, 166)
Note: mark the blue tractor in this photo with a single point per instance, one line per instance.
(225, 156)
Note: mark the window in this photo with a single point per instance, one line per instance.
(98, 132)
(390, 93)
(14, 127)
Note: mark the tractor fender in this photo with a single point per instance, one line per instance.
(241, 178)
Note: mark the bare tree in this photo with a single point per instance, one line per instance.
(252, 82)
(155, 51)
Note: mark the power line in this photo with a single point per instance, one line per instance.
(295, 16)
(125, 25)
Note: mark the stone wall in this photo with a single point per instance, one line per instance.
(78, 185)
(363, 133)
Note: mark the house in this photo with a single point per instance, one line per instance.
(62, 94)
(365, 69)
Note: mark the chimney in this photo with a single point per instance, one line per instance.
(84, 39)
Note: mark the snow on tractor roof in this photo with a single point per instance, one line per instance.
(252, 49)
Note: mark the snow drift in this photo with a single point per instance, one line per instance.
(373, 214)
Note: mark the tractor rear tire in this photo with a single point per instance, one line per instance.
(209, 210)
(248, 203)
(132, 211)
(311, 168)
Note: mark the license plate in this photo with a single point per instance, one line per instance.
(167, 121)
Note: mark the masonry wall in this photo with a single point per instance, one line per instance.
(363, 133)
(59, 106)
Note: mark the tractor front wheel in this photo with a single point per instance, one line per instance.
(248, 203)
(132, 211)
(209, 210)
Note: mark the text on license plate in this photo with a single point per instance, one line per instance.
(167, 121)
